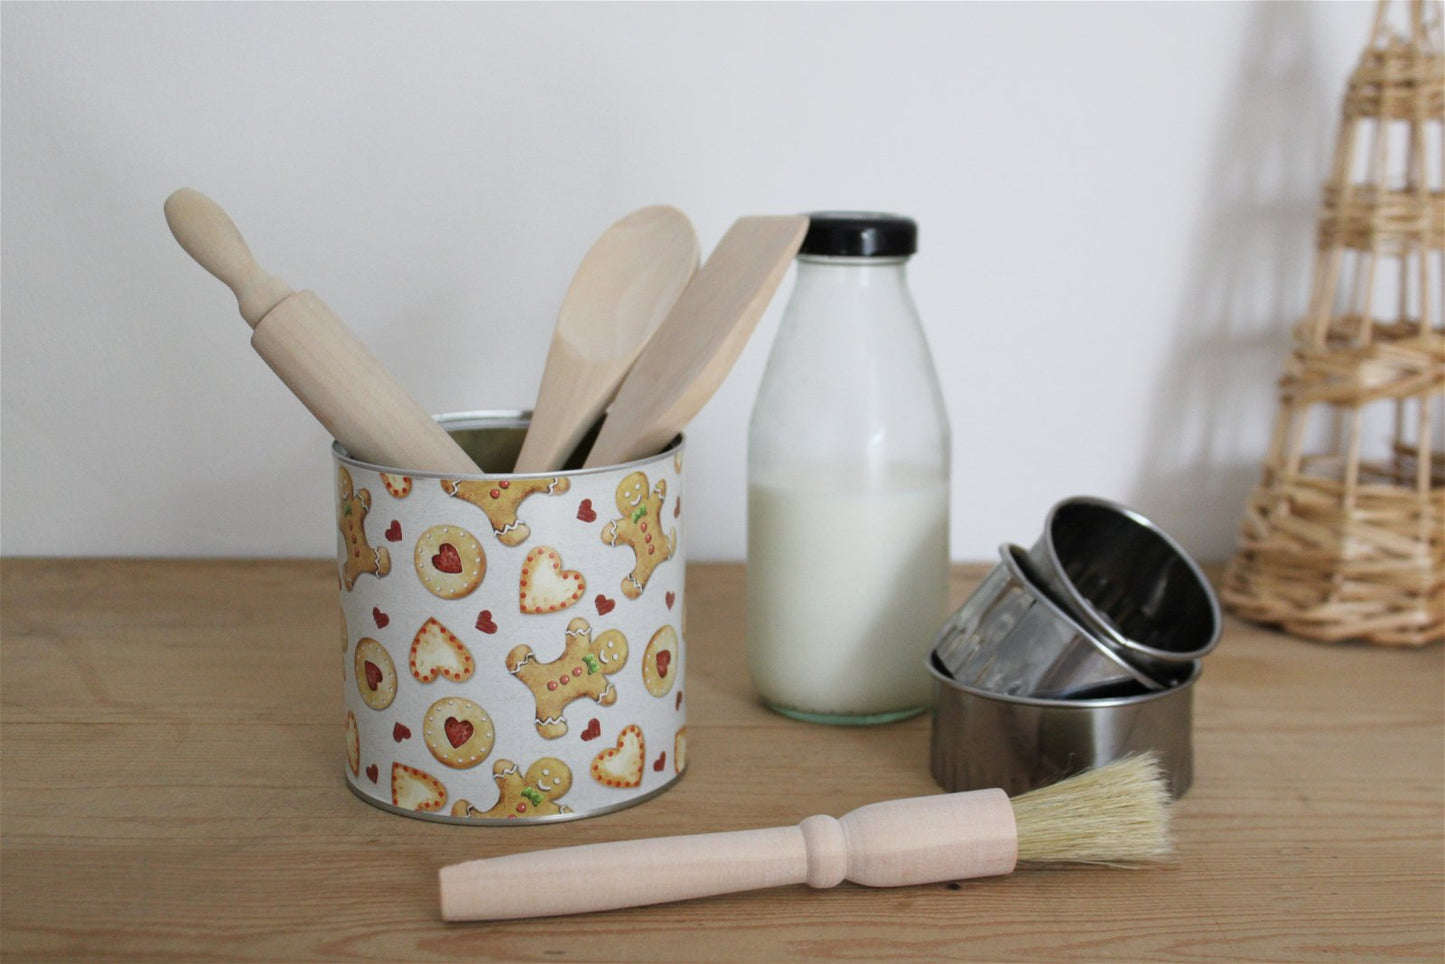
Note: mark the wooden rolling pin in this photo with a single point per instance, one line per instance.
(361, 404)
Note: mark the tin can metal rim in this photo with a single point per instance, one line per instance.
(500, 418)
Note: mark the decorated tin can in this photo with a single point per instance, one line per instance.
(513, 644)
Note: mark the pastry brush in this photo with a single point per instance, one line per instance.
(1116, 814)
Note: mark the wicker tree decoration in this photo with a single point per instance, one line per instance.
(1344, 536)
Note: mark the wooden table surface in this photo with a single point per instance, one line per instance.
(172, 789)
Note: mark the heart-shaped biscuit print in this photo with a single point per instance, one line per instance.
(604, 605)
(447, 559)
(398, 485)
(593, 730)
(382, 619)
(485, 622)
(545, 586)
(393, 531)
(436, 651)
(400, 732)
(458, 731)
(585, 512)
(621, 766)
(413, 789)
(372, 773)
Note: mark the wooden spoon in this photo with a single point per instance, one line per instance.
(695, 347)
(623, 289)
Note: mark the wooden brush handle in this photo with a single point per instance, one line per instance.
(326, 366)
(914, 841)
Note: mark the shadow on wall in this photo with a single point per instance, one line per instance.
(1252, 263)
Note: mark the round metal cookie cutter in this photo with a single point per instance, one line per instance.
(1011, 638)
(1129, 583)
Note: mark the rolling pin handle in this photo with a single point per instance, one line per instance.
(210, 237)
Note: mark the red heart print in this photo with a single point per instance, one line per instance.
(393, 531)
(593, 731)
(671, 598)
(381, 618)
(660, 763)
(677, 703)
(677, 507)
(400, 732)
(604, 605)
(447, 559)
(458, 731)
(372, 773)
(373, 673)
(585, 512)
(485, 623)
(664, 660)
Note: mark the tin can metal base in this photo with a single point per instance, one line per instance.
(493, 822)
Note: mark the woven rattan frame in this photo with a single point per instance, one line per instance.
(1338, 542)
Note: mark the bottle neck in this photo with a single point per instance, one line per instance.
(882, 274)
(851, 292)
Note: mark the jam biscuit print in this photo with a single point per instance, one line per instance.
(640, 529)
(458, 732)
(500, 499)
(361, 558)
(375, 674)
(545, 587)
(533, 794)
(353, 744)
(581, 671)
(449, 561)
(659, 662)
(621, 766)
(436, 651)
(413, 789)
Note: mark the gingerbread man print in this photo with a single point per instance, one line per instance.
(361, 558)
(501, 498)
(581, 671)
(533, 794)
(640, 529)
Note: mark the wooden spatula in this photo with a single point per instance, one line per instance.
(627, 282)
(696, 345)
(361, 404)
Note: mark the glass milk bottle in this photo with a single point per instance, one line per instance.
(848, 471)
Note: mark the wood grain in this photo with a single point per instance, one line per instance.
(324, 364)
(694, 348)
(626, 284)
(172, 790)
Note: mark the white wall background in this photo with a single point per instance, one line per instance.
(1116, 204)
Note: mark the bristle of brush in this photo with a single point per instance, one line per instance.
(1116, 814)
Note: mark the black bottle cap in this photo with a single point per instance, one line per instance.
(860, 234)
